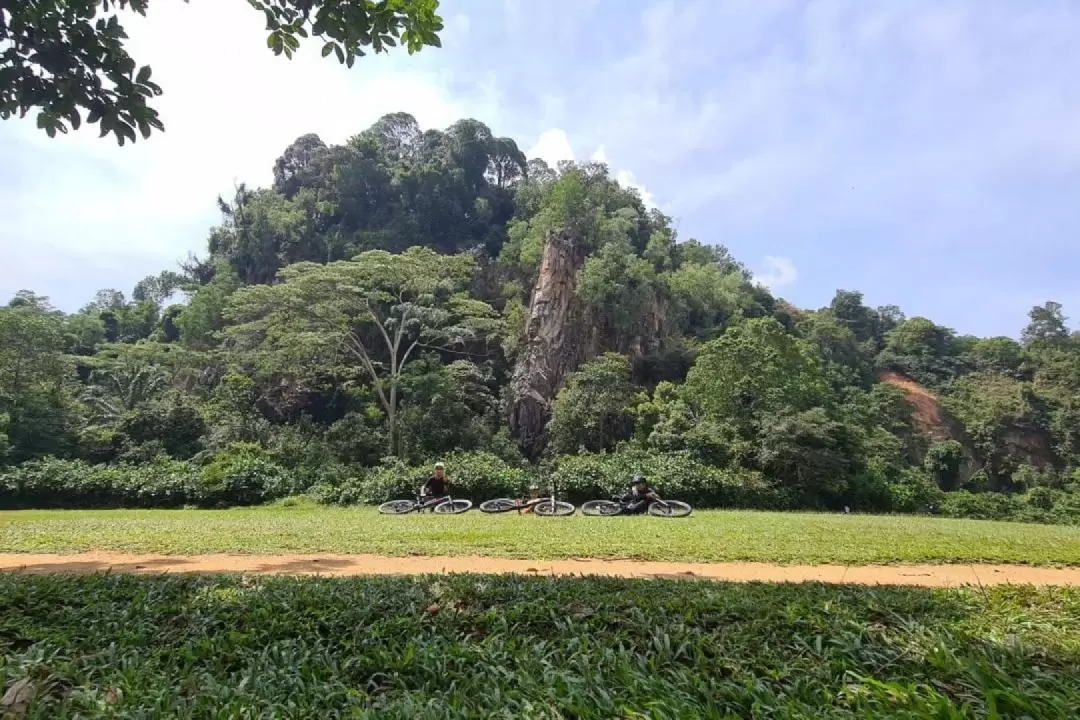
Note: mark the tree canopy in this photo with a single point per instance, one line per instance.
(67, 58)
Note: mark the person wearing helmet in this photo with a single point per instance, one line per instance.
(639, 497)
(437, 487)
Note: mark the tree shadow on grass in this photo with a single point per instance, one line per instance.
(303, 566)
(494, 644)
(86, 567)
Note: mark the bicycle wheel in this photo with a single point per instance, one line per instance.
(670, 508)
(498, 505)
(453, 507)
(601, 507)
(397, 507)
(554, 509)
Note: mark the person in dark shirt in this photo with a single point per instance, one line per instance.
(639, 497)
(437, 486)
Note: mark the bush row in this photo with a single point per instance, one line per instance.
(1038, 505)
(233, 478)
(244, 475)
(576, 478)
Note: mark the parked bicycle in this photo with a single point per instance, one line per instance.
(549, 506)
(657, 507)
(441, 505)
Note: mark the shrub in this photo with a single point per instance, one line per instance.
(979, 506)
(1043, 498)
(482, 475)
(101, 445)
(391, 479)
(675, 475)
(475, 475)
(244, 474)
(54, 483)
(163, 483)
(915, 492)
(868, 492)
(324, 493)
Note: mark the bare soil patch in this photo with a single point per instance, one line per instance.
(927, 409)
(349, 565)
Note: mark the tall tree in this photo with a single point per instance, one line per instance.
(1047, 325)
(33, 379)
(297, 166)
(379, 307)
(594, 410)
(157, 288)
(116, 390)
(755, 369)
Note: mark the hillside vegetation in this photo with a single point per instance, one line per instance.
(416, 295)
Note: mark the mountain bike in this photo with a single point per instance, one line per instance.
(617, 506)
(420, 503)
(549, 506)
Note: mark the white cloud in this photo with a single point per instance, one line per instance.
(552, 147)
(627, 180)
(229, 109)
(779, 272)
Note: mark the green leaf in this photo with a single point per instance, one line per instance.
(144, 75)
(327, 49)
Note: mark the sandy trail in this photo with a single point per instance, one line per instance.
(338, 565)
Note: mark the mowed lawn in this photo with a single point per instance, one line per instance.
(705, 536)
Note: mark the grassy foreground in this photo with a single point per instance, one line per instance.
(506, 647)
(705, 536)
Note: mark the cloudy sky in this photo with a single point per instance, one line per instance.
(926, 152)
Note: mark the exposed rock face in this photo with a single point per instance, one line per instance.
(554, 342)
(932, 422)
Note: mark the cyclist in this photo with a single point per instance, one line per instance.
(639, 497)
(527, 504)
(436, 488)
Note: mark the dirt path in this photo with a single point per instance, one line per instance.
(924, 575)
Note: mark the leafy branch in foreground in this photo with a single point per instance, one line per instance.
(68, 57)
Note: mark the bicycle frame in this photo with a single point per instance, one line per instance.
(421, 503)
(655, 498)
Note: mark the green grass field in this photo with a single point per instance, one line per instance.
(509, 647)
(705, 536)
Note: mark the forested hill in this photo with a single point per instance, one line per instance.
(426, 294)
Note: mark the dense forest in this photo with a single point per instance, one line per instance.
(418, 295)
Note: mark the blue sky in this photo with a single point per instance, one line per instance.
(925, 152)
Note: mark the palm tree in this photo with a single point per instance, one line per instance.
(114, 391)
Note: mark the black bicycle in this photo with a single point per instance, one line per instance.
(443, 506)
(658, 507)
(546, 506)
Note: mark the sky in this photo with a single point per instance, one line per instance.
(924, 152)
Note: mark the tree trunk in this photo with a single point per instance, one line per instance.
(554, 342)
